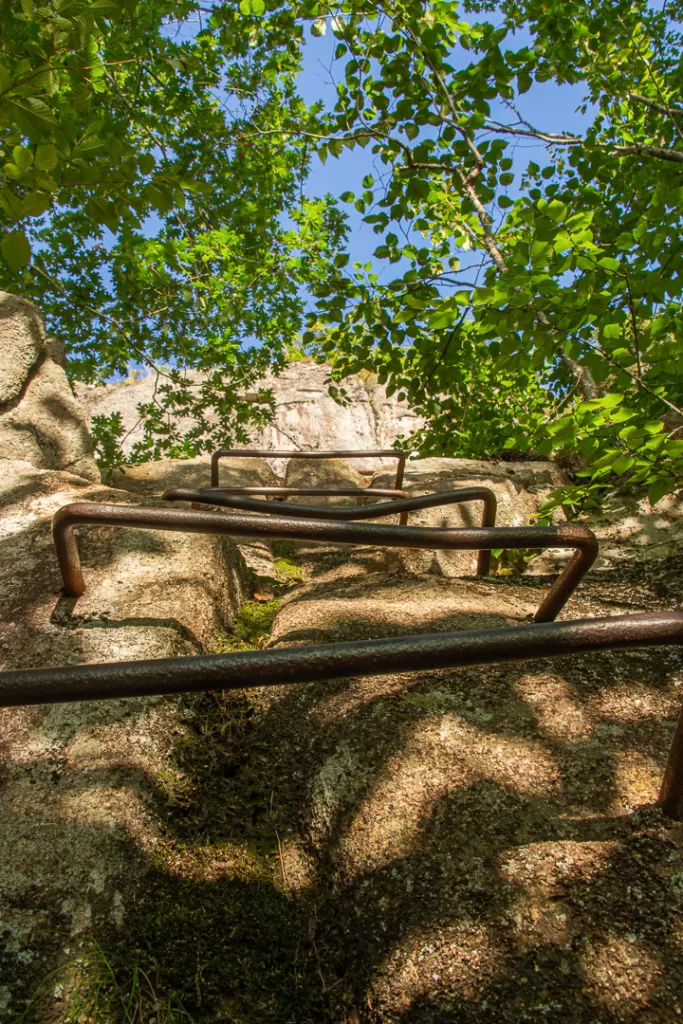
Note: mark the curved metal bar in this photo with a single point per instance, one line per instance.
(225, 524)
(249, 453)
(289, 492)
(211, 496)
(285, 492)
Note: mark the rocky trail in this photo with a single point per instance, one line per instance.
(443, 846)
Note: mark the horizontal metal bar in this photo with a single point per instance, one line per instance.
(320, 662)
(430, 538)
(324, 662)
(250, 453)
(215, 496)
(328, 492)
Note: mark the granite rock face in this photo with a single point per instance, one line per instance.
(306, 418)
(153, 478)
(40, 420)
(76, 804)
(22, 345)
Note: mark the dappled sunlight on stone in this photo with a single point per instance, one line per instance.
(632, 702)
(543, 875)
(622, 973)
(560, 713)
(637, 778)
(437, 757)
(458, 962)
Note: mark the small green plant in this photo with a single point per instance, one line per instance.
(295, 352)
(103, 988)
(512, 561)
(107, 432)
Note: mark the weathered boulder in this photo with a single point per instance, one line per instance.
(21, 330)
(76, 807)
(474, 841)
(153, 478)
(40, 420)
(348, 604)
(324, 473)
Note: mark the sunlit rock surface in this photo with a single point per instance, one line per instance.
(40, 420)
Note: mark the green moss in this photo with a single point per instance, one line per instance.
(251, 628)
(288, 572)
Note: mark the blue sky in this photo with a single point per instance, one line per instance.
(548, 106)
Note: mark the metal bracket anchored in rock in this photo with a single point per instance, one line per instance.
(478, 538)
(229, 498)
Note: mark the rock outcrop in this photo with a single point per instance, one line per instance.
(306, 418)
(78, 780)
(442, 845)
(40, 420)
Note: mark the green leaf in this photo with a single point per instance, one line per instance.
(556, 210)
(46, 157)
(23, 158)
(146, 163)
(34, 111)
(109, 8)
(16, 250)
(622, 464)
(659, 487)
(35, 203)
(245, 6)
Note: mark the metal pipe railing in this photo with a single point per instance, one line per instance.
(478, 538)
(213, 496)
(249, 453)
(322, 662)
(286, 492)
(323, 492)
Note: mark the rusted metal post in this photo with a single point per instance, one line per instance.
(429, 538)
(229, 498)
(671, 792)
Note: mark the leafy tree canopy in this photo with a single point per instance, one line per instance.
(154, 204)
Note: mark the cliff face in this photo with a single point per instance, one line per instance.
(305, 415)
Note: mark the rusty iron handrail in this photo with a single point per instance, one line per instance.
(322, 662)
(212, 496)
(250, 453)
(430, 538)
(286, 492)
(323, 492)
